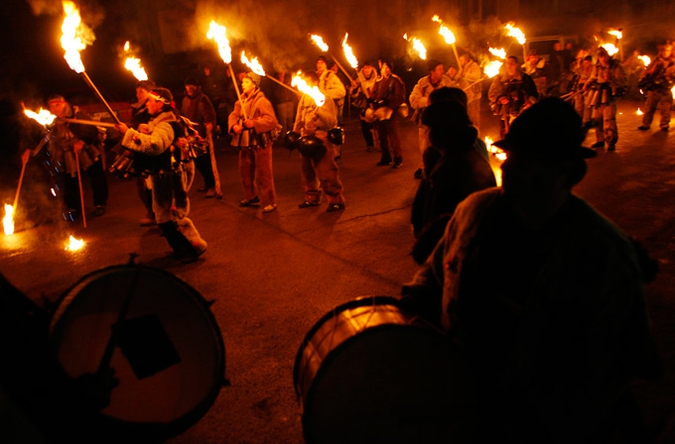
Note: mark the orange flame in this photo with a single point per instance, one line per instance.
(611, 48)
(312, 91)
(75, 36)
(492, 68)
(498, 52)
(133, 64)
(253, 64)
(639, 112)
(515, 33)
(349, 54)
(217, 34)
(417, 46)
(645, 59)
(616, 33)
(8, 220)
(447, 35)
(318, 41)
(43, 117)
(74, 244)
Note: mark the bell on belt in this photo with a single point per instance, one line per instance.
(123, 166)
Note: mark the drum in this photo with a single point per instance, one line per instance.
(368, 372)
(159, 337)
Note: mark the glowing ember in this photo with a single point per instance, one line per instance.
(639, 112)
(492, 68)
(8, 220)
(616, 33)
(498, 52)
(318, 41)
(217, 34)
(74, 244)
(43, 117)
(253, 64)
(75, 36)
(645, 59)
(313, 91)
(515, 33)
(417, 46)
(133, 64)
(349, 54)
(611, 48)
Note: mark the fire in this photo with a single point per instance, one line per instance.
(8, 220)
(133, 64)
(447, 34)
(515, 32)
(43, 117)
(645, 59)
(498, 52)
(616, 33)
(217, 34)
(492, 68)
(349, 54)
(253, 64)
(74, 244)
(417, 46)
(611, 48)
(318, 41)
(75, 36)
(639, 112)
(313, 91)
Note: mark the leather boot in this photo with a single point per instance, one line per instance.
(181, 246)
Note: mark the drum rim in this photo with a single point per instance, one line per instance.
(187, 420)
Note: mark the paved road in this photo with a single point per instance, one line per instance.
(273, 276)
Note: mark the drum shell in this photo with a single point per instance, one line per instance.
(368, 372)
(174, 398)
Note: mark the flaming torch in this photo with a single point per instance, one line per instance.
(74, 244)
(313, 91)
(74, 38)
(618, 34)
(318, 41)
(611, 48)
(417, 46)
(133, 64)
(8, 220)
(447, 35)
(518, 35)
(216, 33)
(257, 68)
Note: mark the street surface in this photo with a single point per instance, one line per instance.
(273, 276)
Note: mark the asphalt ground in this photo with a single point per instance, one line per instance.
(271, 277)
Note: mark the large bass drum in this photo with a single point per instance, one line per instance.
(369, 373)
(159, 337)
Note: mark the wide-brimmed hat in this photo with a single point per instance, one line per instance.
(549, 130)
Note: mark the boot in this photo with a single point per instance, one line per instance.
(188, 229)
(181, 246)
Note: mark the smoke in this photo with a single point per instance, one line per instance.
(91, 12)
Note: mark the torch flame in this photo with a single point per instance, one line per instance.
(498, 52)
(43, 117)
(318, 41)
(253, 64)
(217, 34)
(349, 54)
(639, 112)
(611, 48)
(645, 59)
(313, 91)
(516, 33)
(417, 46)
(616, 33)
(75, 36)
(492, 68)
(499, 154)
(8, 220)
(447, 34)
(133, 64)
(74, 244)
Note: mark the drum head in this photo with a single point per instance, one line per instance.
(387, 377)
(167, 351)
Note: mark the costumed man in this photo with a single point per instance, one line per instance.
(606, 84)
(197, 108)
(511, 92)
(419, 100)
(361, 90)
(537, 68)
(71, 145)
(389, 95)
(319, 170)
(251, 125)
(469, 78)
(333, 88)
(579, 96)
(658, 79)
(544, 296)
(162, 138)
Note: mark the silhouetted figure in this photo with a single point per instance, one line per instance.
(544, 295)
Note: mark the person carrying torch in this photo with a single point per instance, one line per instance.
(74, 149)
(252, 125)
(162, 138)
